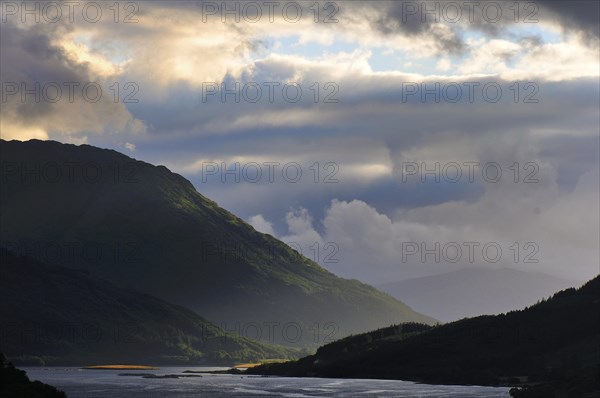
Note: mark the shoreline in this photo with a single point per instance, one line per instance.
(120, 367)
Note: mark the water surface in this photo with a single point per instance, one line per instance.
(78, 383)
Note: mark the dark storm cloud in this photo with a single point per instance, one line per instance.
(411, 18)
(582, 15)
(31, 61)
(27, 56)
(395, 17)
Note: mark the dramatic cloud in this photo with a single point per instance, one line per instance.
(261, 225)
(49, 91)
(557, 234)
(385, 87)
(578, 15)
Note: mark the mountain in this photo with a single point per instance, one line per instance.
(553, 345)
(474, 291)
(52, 315)
(144, 227)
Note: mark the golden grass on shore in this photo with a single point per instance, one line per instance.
(251, 365)
(121, 367)
(246, 365)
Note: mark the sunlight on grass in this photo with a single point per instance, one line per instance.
(121, 367)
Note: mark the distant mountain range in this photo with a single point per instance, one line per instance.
(474, 291)
(552, 347)
(58, 316)
(146, 228)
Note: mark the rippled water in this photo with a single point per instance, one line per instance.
(78, 383)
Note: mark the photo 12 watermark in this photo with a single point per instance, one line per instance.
(269, 172)
(471, 252)
(269, 92)
(288, 332)
(69, 12)
(73, 253)
(490, 92)
(223, 252)
(270, 11)
(69, 172)
(70, 92)
(469, 172)
(454, 12)
(319, 252)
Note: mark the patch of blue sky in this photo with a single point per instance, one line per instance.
(291, 45)
(386, 60)
(381, 59)
(115, 51)
(523, 30)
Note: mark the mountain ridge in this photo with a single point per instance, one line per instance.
(180, 245)
(473, 291)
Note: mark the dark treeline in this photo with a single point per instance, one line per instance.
(553, 346)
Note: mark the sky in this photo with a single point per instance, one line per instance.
(385, 140)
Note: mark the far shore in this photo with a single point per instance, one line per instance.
(120, 367)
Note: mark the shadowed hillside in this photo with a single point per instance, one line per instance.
(555, 343)
(53, 315)
(15, 383)
(147, 228)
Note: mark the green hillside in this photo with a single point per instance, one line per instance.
(146, 228)
(52, 315)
